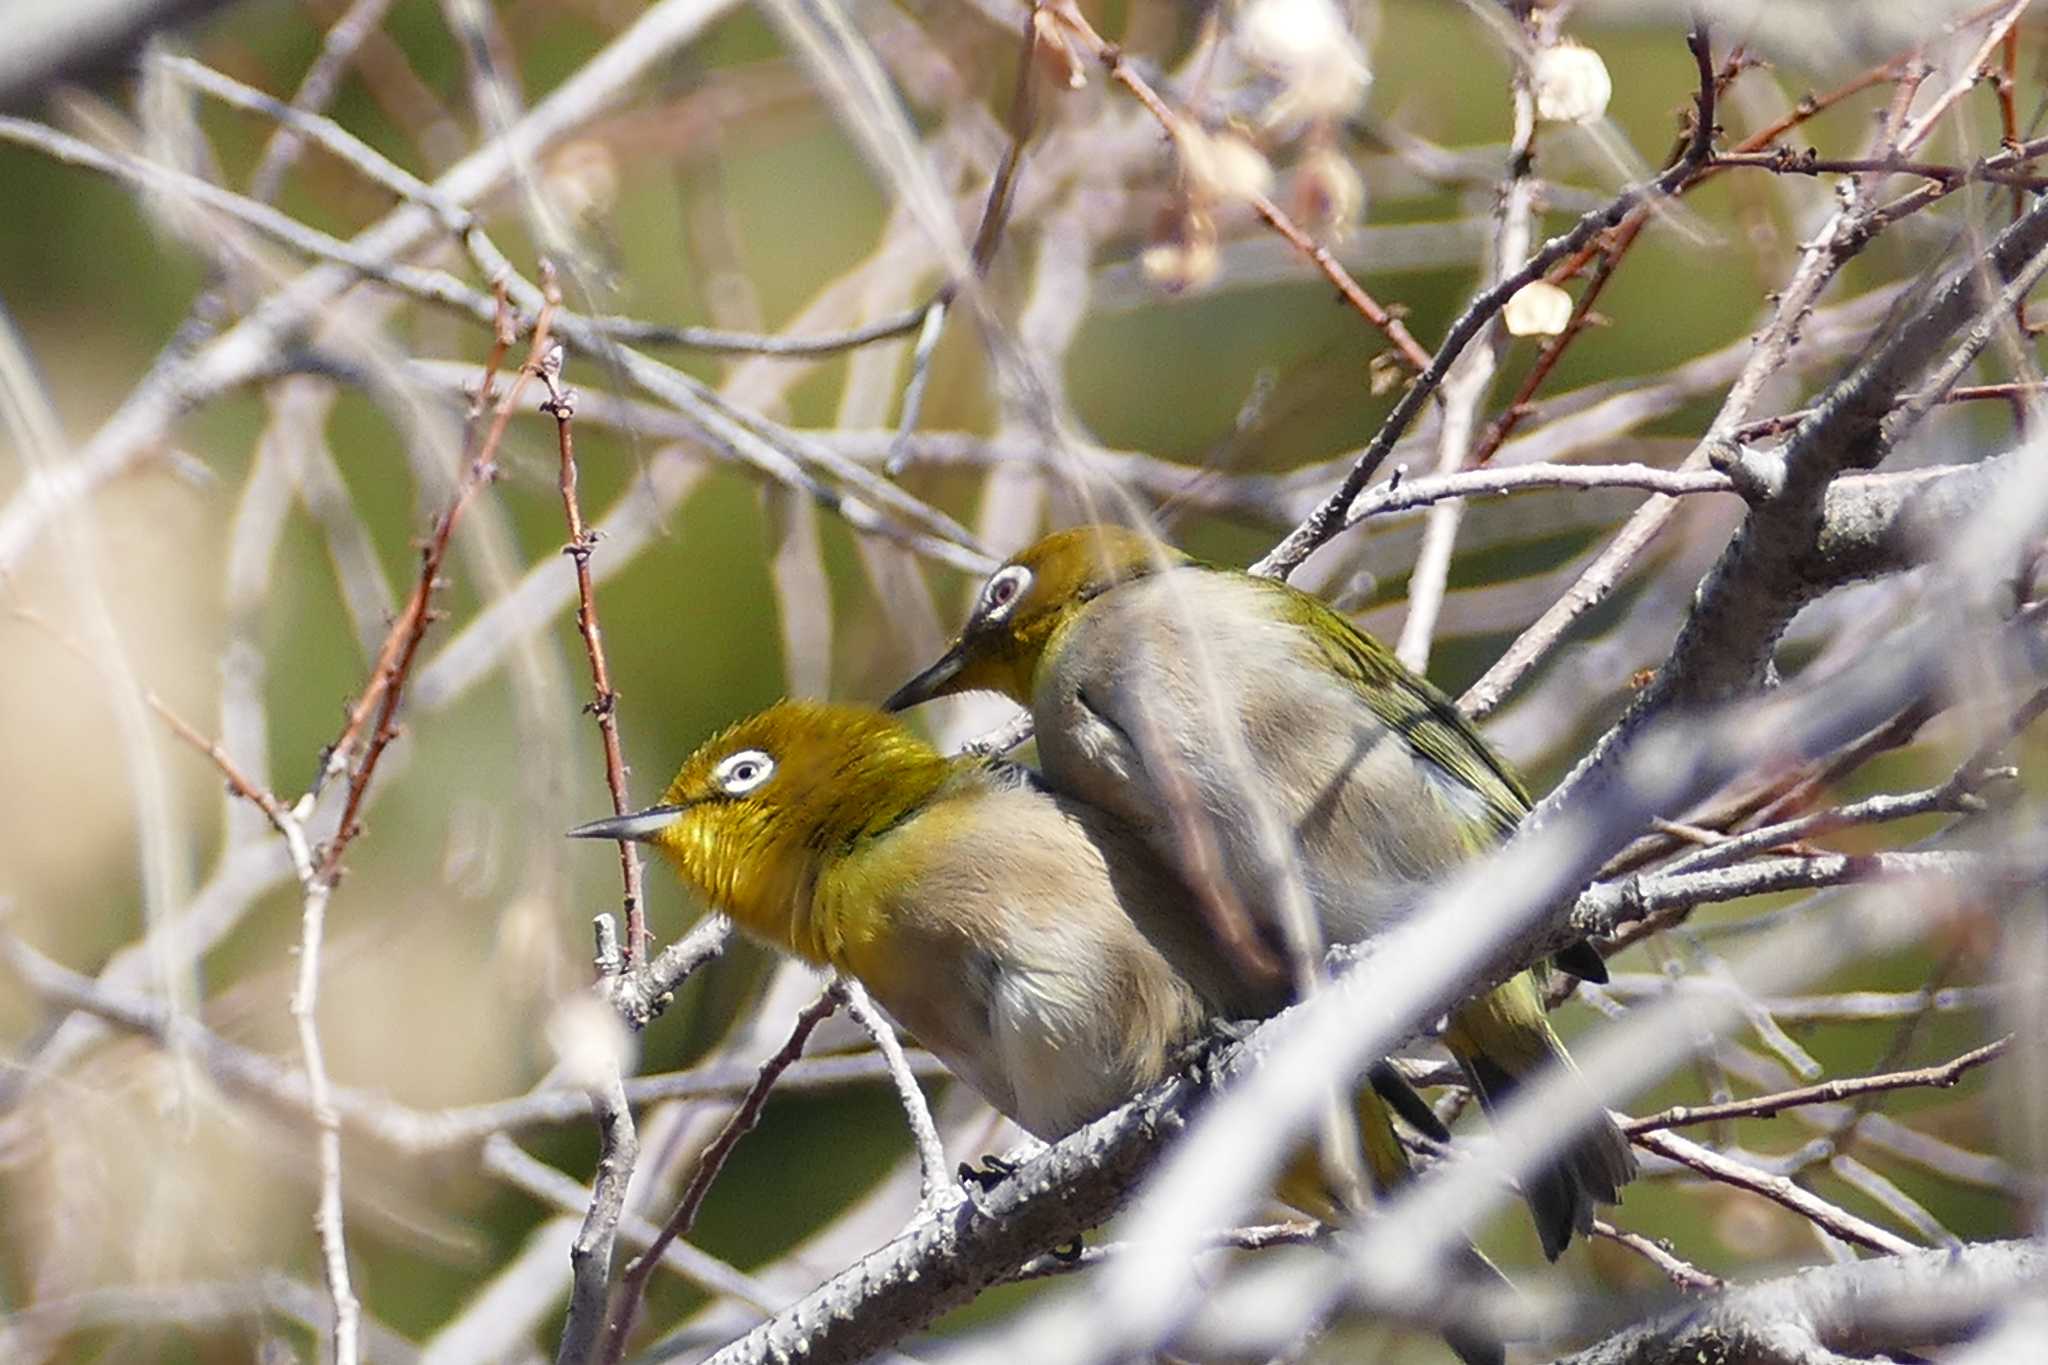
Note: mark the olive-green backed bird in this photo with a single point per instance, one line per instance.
(1028, 939)
(1269, 749)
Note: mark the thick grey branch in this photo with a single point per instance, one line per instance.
(1760, 582)
(1858, 1308)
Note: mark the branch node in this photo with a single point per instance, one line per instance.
(1758, 475)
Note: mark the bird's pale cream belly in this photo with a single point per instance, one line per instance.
(1036, 987)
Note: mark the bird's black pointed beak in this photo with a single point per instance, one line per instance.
(936, 681)
(641, 826)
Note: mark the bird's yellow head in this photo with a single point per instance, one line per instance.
(1023, 605)
(759, 811)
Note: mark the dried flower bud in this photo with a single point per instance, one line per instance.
(1538, 309)
(1054, 51)
(1571, 84)
(1308, 48)
(1327, 194)
(1183, 254)
(1220, 167)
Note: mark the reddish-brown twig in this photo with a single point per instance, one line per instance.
(1785, 161)
(1123, 73)
(633, 1284)
(1330, 515)
(2010, 391)
(604, 704)
(1939, 1076)
(336, 759)
(1808, 106)
(401, 646)
(1333, 270)
(1617, 243)
(238, 781)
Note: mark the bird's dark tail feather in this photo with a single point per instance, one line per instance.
(1591, 1170)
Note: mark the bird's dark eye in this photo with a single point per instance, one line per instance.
(1002, 591)
(743, 772)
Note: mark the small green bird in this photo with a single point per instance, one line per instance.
(1282, 760)
(1028, 939)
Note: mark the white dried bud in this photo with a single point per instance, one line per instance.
(1570, 83)
(1222, 166)
(1538, 309)
(1178, 267)
(1306, 46)
(589, 1040)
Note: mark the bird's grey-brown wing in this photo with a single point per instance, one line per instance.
(1184, 703)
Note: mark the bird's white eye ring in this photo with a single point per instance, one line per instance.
(1006, 587)
(740, 773)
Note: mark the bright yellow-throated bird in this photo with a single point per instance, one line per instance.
(1268, 749)
(1028, 939)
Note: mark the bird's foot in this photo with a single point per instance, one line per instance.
(1201, 1058)
(992, 1171)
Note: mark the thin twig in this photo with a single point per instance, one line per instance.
(1469, 381)
(625, 1307)
(402, 645)
(1941, 1076)
(1124, 73)
(1786, 161)
(1256, 1238)
(995, 214)
(507, 1160)
(561, 405)
(387, 686)
(238, 781)
(1689, 1278)
(935, 1186)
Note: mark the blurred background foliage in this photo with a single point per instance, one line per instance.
(460, 922)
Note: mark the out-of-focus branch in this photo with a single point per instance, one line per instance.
(188, 1308)
(1859, 1308)
(505, 1159)
(407, 1131)
(866, 502)
(1469, 381)
(254, 346)
(50, 41)
(1838, 1222)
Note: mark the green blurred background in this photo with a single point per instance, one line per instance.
(450, 898)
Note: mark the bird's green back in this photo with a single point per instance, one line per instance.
(1409, 705)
